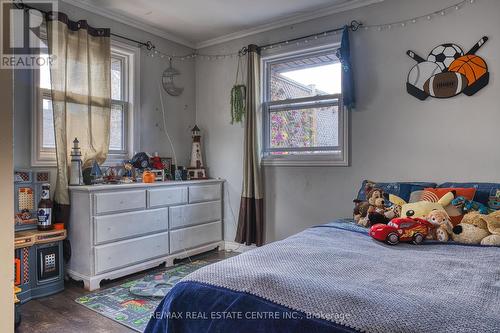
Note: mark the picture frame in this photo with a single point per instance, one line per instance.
(167, 163)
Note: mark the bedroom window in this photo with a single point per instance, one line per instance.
(123, 61)
(304, 121)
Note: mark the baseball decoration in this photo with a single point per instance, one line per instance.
(447, 72)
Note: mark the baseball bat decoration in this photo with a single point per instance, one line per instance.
(447, 72)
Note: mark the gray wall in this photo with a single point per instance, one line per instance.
(393, 135)
(180, 111)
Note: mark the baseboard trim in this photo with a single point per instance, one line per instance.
(237, 247)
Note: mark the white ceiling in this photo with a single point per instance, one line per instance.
(199, 23)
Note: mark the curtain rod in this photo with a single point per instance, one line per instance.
(149, 45)
(354, 25)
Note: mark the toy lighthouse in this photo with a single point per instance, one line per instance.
(196, 169)
(76, 177)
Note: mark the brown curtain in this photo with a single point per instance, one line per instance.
(81, 93)
(251, 219)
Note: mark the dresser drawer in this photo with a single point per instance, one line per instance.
(110, 202)
(183, 216)
(204, 193)
(125, 253)
(183, 239)
(167, 196)
(109, 228)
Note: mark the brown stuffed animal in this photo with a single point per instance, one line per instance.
(472, 229)
(493, 223)
(363, 208)
(442, 225)
(373, 195)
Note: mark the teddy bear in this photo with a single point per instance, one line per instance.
(442, 227)
(377, 211)
(373, 205)
(361, 206)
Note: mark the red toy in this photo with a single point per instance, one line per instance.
(401, 230)
(156, 163)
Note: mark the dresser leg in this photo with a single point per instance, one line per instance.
(92, 284)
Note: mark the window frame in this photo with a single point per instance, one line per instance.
(130, 55)
(341, 155)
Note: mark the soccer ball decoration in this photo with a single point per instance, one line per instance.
(447, 72)
(445, 54)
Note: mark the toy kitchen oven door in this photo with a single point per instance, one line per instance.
(39, 270)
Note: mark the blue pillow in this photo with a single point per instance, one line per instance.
(483, 190)
(401, 189)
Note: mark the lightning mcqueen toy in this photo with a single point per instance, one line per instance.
(401, 230)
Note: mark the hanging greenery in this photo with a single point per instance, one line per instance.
(238, 95)
(238, 103)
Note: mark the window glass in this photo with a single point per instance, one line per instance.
(116, 78)
(48, 139)
(117, 126)
(311, 127)
(302, 104)
(305, 77)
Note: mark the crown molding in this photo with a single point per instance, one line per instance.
(338, 8)
(131, 22)
(288, 21)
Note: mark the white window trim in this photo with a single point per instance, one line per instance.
(132, 92)
(317, 160)
(47, 157)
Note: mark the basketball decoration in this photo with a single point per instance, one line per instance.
(447, 72)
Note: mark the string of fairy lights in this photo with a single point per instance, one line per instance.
(154, 52)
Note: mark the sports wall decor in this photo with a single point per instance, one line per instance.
(447, 72)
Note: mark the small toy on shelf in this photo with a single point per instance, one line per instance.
(156, 162)
(405, 229)
(148, 177)
(76, 175)
(96, 175)
(140, 161)
(111, 176)
(469, 205)
(196, 168)
(167, 167)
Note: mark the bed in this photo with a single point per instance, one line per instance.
(336, 278)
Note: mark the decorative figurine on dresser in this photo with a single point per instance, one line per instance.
(38, 262)
(196, 169)
(76, 176)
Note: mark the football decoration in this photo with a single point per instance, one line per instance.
(446, 84)
(447, 72)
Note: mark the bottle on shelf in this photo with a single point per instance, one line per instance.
(44, 213)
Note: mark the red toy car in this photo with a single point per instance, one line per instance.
(401, 230)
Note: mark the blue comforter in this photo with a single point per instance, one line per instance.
(335, 278)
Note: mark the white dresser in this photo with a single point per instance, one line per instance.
(116, 230)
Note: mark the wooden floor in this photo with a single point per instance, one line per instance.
(61, 314)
